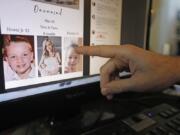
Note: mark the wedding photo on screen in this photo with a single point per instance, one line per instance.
(39, 40)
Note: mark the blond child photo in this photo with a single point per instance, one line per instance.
(50, 62)
(72, 59)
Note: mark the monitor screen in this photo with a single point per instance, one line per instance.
(38, 38)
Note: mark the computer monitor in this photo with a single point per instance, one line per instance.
(38, 38)
(38, 64)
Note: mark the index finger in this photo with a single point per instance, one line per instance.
(100, 50)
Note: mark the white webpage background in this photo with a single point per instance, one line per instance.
(107, 28)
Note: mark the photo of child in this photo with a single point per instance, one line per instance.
(18, 56)
(50, 62)
(73, 61)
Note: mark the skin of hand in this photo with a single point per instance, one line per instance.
(149, 71)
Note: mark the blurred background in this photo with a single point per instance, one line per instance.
(165, 27)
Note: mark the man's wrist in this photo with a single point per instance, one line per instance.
(176, 68)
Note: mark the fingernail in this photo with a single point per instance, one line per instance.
(104, 91)
(109, 97)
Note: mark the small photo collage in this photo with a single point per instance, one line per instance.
(38, 56)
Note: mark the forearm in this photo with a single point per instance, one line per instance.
(175, 68)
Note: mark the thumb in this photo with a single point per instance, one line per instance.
(118, 86)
